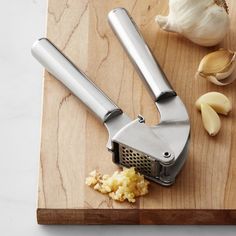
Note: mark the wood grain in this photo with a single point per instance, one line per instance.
(74, 142)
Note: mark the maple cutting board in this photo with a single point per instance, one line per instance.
(74, 142)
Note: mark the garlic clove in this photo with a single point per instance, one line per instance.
(211, 120)
(216, 62)
(218, 67)
(218, 101)
(227, 72)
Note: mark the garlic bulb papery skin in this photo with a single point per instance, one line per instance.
(204, 22)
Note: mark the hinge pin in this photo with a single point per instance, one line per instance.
(166, 154)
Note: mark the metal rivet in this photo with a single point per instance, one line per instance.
(166, 155)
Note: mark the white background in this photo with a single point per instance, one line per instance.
(21, 23)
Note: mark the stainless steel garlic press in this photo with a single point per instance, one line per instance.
(157, 152)
(174, 125)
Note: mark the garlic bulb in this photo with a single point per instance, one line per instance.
(204, 22)
(218, 67)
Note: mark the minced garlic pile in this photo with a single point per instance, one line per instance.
(126, 184)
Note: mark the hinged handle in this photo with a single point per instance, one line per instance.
(132, 41)
(66, 72)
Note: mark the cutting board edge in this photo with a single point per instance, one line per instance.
(136, 216)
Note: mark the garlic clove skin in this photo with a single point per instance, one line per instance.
(165, 24)
(216, 62)
(211, 120)
(204, 22)
(162, 21)
(218, 67)
(218, 101)
(215, 81)
(227, 72)
(224, 82)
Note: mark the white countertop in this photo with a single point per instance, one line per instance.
(21, 23)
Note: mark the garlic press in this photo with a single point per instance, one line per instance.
(158, 152)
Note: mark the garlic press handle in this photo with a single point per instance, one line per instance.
(64, 70)
(132, 41)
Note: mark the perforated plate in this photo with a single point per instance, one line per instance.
(143, 163)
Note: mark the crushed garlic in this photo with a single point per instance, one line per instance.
(121, 186)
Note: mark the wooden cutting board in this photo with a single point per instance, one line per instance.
(74, 142)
